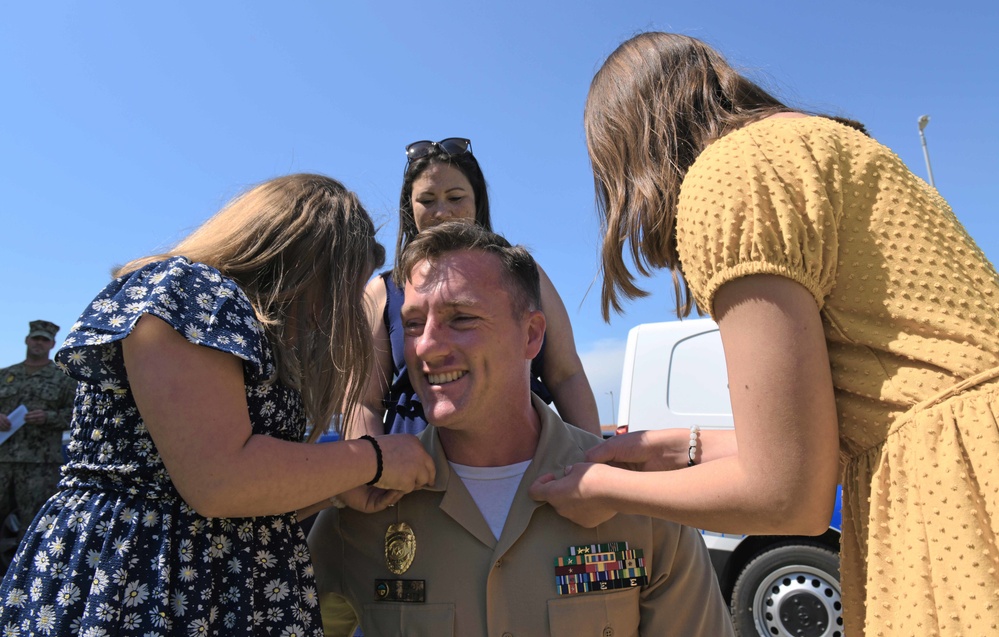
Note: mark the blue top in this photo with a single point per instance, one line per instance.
(403, 410)
(117, 551)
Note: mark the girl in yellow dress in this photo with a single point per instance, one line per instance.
(860, 324)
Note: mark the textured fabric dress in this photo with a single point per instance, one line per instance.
(117, 551)
(404, 411)
(910, 309)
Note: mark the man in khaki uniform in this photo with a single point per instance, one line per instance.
(473, 554)
(31, 457)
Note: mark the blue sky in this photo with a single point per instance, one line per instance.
(124, 125)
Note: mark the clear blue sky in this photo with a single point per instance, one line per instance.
(124, 125)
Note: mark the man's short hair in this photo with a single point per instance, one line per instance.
(519, 268)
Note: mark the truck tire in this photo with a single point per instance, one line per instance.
(793, 590)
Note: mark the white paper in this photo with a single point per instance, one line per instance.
(16, 419)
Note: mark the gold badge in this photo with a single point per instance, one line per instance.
(400, 547)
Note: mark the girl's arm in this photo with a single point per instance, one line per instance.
(782, 475)
(663, 449)
(563, 372)
(192, 400)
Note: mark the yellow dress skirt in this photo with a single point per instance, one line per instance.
(919, 538)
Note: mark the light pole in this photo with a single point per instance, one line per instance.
(613, 413)
(923, 121)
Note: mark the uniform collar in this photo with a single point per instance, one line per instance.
(556, 448)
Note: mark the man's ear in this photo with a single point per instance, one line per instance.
(535, 332)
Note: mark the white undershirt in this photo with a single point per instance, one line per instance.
(493, 489)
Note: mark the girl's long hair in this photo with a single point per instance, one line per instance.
(654, 105)
(300, 247)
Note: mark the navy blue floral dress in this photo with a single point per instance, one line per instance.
(117, 551)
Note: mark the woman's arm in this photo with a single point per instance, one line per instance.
(563, 372)
(782, 476)
(366, 418)
(192, 400)
(363, 498)
(663, 449)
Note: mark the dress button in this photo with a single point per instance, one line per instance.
(499, 563)
(608, 631)
(507, 634)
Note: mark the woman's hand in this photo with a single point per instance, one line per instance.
(662, 450)
(406, 466)
(573, 496)
(370, 499)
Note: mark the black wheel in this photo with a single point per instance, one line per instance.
(790, 590)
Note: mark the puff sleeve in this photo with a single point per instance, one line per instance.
(205, 307)
(762, 200)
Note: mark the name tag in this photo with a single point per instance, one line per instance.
(400, 590)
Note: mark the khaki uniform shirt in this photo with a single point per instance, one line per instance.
(49, 389)
(476, 585)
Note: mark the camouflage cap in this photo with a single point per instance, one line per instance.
(43, 328)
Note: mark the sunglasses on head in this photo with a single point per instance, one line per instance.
(450, 146)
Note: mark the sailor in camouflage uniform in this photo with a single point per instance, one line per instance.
(31, 458)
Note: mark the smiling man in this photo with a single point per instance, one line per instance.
(473, 554)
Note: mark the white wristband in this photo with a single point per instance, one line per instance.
(692, 449)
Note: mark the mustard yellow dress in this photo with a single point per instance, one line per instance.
(910, 308)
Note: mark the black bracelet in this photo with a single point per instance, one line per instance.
(378, 458)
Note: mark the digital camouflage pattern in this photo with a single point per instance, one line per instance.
(49, 389)
(31, 457)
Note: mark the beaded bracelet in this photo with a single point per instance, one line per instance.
(338, 502)
(378, 458)
(692, 449)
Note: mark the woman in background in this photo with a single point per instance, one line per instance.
(443, 182)
(860, 323)
(198, 370)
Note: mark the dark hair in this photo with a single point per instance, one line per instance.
(469, 167)
(653, 107)
(300, 247)
(519, 268)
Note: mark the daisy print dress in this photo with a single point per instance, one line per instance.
(117, 551)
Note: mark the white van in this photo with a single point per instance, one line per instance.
(674, 376)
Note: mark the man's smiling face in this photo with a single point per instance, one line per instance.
(466, 351)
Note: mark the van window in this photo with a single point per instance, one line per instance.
(698, 378)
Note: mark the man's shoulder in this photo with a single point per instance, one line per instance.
(566, 432)
(583, 438)
(50, 374)
(16, 369)
(58, 373)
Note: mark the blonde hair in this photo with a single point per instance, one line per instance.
(654, 105)
(300, 247)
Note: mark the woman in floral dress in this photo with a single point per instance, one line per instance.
(198, 370)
